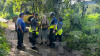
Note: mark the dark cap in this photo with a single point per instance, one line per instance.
(60, 18)
(36, 14)
(21, 14)
(33, 13)
(52, 14)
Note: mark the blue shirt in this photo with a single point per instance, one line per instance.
(59, 25)
(21, 23)
(53, 21)
(23, 26)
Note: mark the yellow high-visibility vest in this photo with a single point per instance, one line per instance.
(52, 27)
(31, 30)
(39, 22)
(59, 32)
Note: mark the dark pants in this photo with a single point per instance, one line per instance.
(59, 37)
(33, 39)
(52, 37)
(20, 39)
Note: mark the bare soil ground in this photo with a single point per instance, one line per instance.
(12, 38)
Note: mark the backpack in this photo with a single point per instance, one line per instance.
(44, 24)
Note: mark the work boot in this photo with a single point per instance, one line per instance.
(49, 45)
(41, 43)
(45, 42)
(34, 47)
(21, 48)
(36, 42)
(53, 46)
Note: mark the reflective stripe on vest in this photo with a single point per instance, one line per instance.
(31, 30)
(37, 30)
(52, 27)
(59, 32)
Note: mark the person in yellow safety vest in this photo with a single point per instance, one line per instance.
(34, 30)
(59, 29)
(38, 29)
(30, 30)
(53, 28)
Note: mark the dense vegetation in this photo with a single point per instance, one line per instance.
(4, 46)
(81, 20)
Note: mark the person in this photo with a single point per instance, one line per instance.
(30, 33)
(33, 29)
(29, 19)
(59, 29)
(53, 28)
(44, 30)
(21, 27)
(38, 28)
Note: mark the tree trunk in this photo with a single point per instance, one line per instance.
(83, 11)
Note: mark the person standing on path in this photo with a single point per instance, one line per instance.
(29, 19)
(53, 28)
(34, 30)
(44, 30)
(21, 27)
(30, 33)
(59, 29)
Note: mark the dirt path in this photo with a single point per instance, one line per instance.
(12, 38)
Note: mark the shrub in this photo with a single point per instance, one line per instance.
(89, 34)
(4, 47)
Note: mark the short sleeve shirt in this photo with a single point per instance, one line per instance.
(29, 19)
(18, 22)
(53, 21)
(23, 26)
(21, 23)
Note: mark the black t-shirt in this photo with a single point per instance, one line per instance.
(29, 19)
